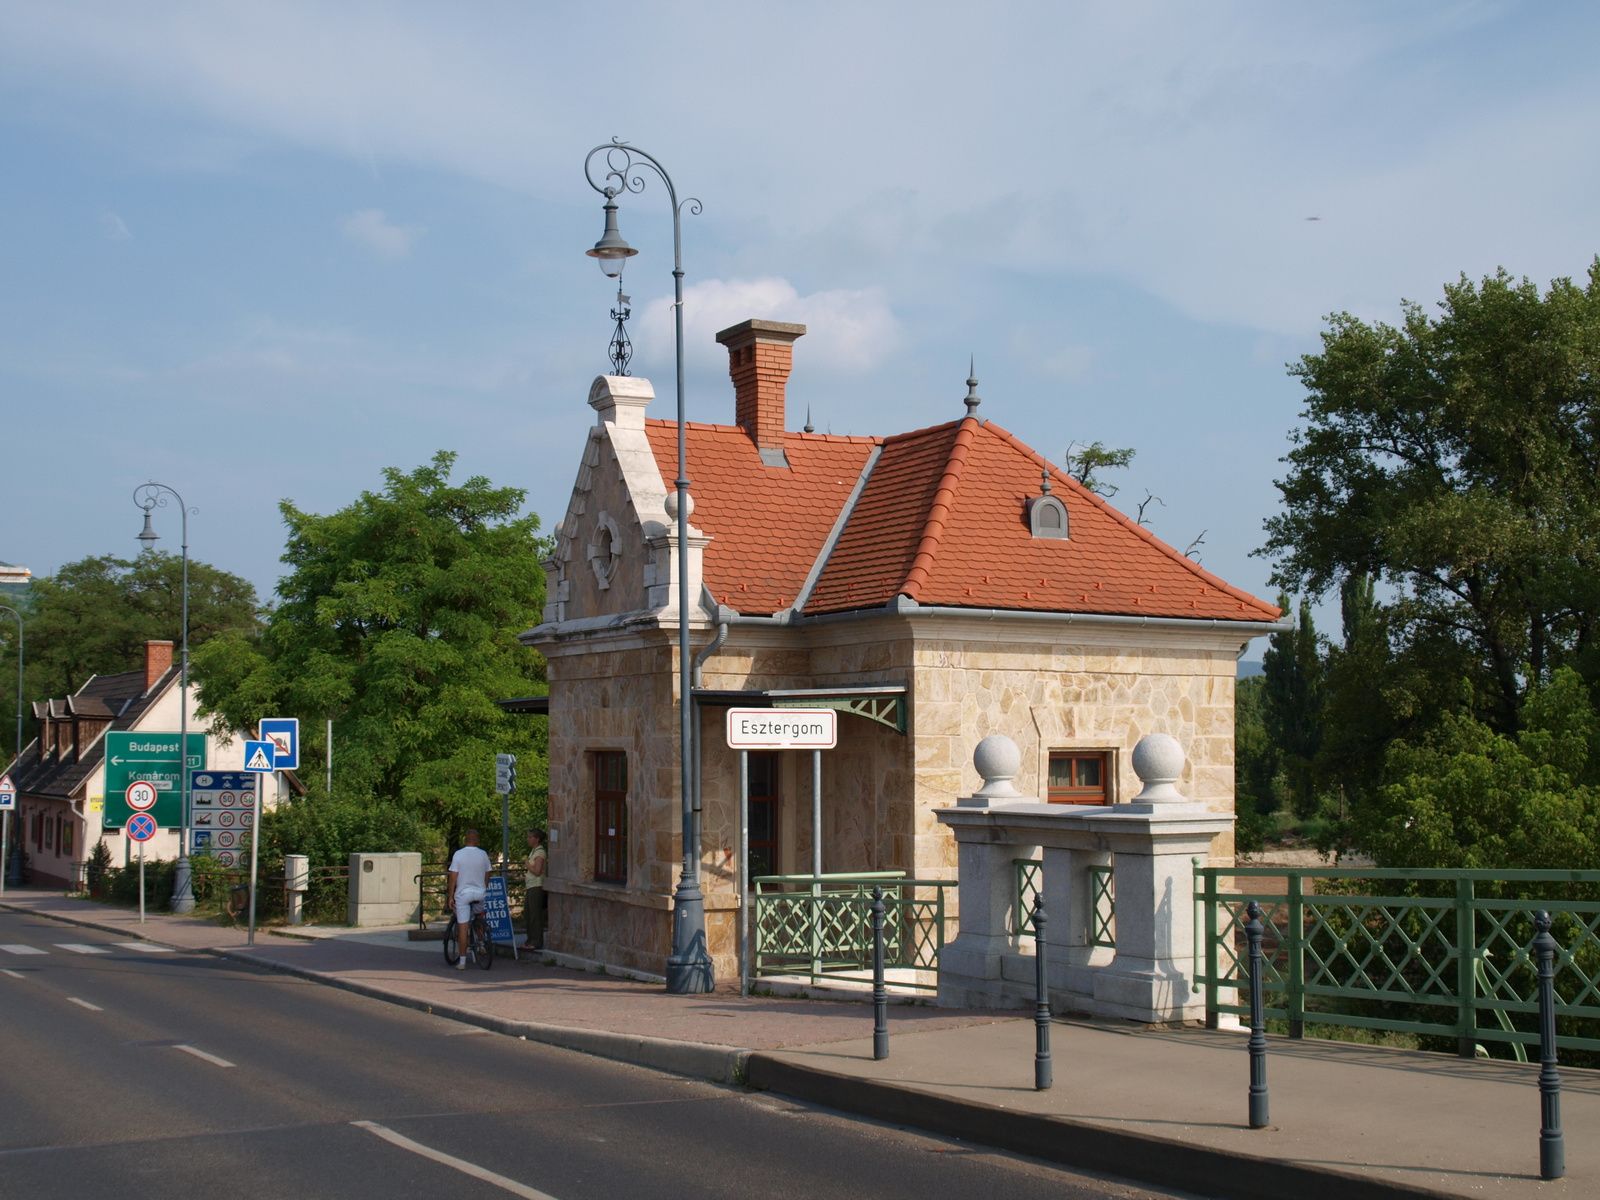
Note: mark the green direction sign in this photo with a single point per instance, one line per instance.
(152, 757)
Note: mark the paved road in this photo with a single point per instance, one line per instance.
(124, 1071)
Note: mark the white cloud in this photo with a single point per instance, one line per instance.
(114, 227)
(847, 332)
(377, 233)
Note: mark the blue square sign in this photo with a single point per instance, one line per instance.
(284, 734)
(259, 756)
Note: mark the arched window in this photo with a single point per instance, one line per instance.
(1047, 517)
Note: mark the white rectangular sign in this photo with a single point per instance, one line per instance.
(782, 729)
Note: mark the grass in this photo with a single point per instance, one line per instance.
(1348, 1033)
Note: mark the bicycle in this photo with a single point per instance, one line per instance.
(479, 948)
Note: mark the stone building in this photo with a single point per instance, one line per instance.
(935, 587)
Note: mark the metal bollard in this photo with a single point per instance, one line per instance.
(880, 994)
(1258, 1022)
(1552, 1147)
(1042, 1077)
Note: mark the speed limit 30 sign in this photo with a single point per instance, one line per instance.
(141, 796)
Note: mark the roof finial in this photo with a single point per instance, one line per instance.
(973, 400)
(810, 428)
(1046, 485)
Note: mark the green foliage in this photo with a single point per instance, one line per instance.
(1256, 787)
(328, 829)
(1292, 706)
(1454, 459)
(1085, 463)
(1468, 796)
(399, 620)
(94, 616)
(100, 857)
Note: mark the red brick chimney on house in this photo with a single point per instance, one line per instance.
(760, 355)
(157, 662)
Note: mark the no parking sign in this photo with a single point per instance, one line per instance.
(141, 827)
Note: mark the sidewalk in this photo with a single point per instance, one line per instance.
(1351, 1122)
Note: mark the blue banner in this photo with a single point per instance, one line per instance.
(497, 909)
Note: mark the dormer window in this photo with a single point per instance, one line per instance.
(1047, 516)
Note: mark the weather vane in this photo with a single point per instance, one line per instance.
(621, 348)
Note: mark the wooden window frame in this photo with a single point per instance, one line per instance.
(610, 840)
(1079, 794)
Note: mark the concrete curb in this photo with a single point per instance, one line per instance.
(701, 1060)
(1138, 1156)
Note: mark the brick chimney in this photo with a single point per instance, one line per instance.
(760, 355)
(157, 661)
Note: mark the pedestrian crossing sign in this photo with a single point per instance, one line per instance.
(259, 756)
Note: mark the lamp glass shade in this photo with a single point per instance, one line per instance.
(148, 535)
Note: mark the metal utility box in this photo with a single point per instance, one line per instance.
(385, 889)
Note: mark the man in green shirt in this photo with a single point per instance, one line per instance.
(533, 898)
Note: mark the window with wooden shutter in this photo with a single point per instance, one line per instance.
(611, 816)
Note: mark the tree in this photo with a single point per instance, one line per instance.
(1467, 796)
(1256, 791)
(1084, 464)
(399, 619)
(93, 617)
(1456, 460)
(1292, 706)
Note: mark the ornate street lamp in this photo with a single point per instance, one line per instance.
(689, 967)
(149, 496)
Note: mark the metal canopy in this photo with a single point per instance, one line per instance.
(539, 705)
(884, 703)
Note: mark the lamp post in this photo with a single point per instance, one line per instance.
(149, 496)
(5, 817)
(689, 967)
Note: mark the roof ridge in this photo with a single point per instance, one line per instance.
(839, 524)
(939, 510)
(1116, 514)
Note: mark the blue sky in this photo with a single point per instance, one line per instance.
(262, 250)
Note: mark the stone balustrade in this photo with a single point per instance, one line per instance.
(1150, 845)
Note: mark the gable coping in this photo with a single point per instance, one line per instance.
(837, 531)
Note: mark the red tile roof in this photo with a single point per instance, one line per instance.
(941, 521)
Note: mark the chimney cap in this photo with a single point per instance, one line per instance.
(756, 329)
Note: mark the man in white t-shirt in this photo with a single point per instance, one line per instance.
(469, 881)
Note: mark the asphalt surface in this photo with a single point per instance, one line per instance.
(131, 1073)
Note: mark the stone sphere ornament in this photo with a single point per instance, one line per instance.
(672, 504)
(1158, 762)
(998, 760)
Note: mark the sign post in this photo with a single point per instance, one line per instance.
(505, 782)
(814, 729)
(8, 805)
(141, 828)
(260, 758)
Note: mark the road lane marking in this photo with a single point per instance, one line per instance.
(85, 1004)
(81, 948)
(144, 947)
(198, 1053)
(19, 949)
(449, 1160)
(13, 974)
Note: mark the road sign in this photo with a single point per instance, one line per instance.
(141, 827)
(153, 758)
(782, 729)
(141, 796)
(8, 793)
(260, 756)
(505, 773)
(202, 839)
(284, 734)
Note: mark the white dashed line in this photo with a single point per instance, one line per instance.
(144, 947)
(81, 948)
(85, 1004)
(449, 1160)
(198, 1053)
(20, 949)
(13, 974)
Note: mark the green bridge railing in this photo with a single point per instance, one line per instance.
(1102, 901)
(1431, 952)
(820, 926)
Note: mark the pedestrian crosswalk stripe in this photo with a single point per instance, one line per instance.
(146, 947)
(82, 948)
(20, 949)
(85, 1004)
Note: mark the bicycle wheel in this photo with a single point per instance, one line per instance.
(481, 945)
(452, 947)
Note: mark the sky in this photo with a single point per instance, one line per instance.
(261, 251)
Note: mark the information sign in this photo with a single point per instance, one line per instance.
(8, 793)
(497, 908)
(284, 734)
(141, 827)
(260, 756)
(202, 840)
(152, 758)
(782, 729)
